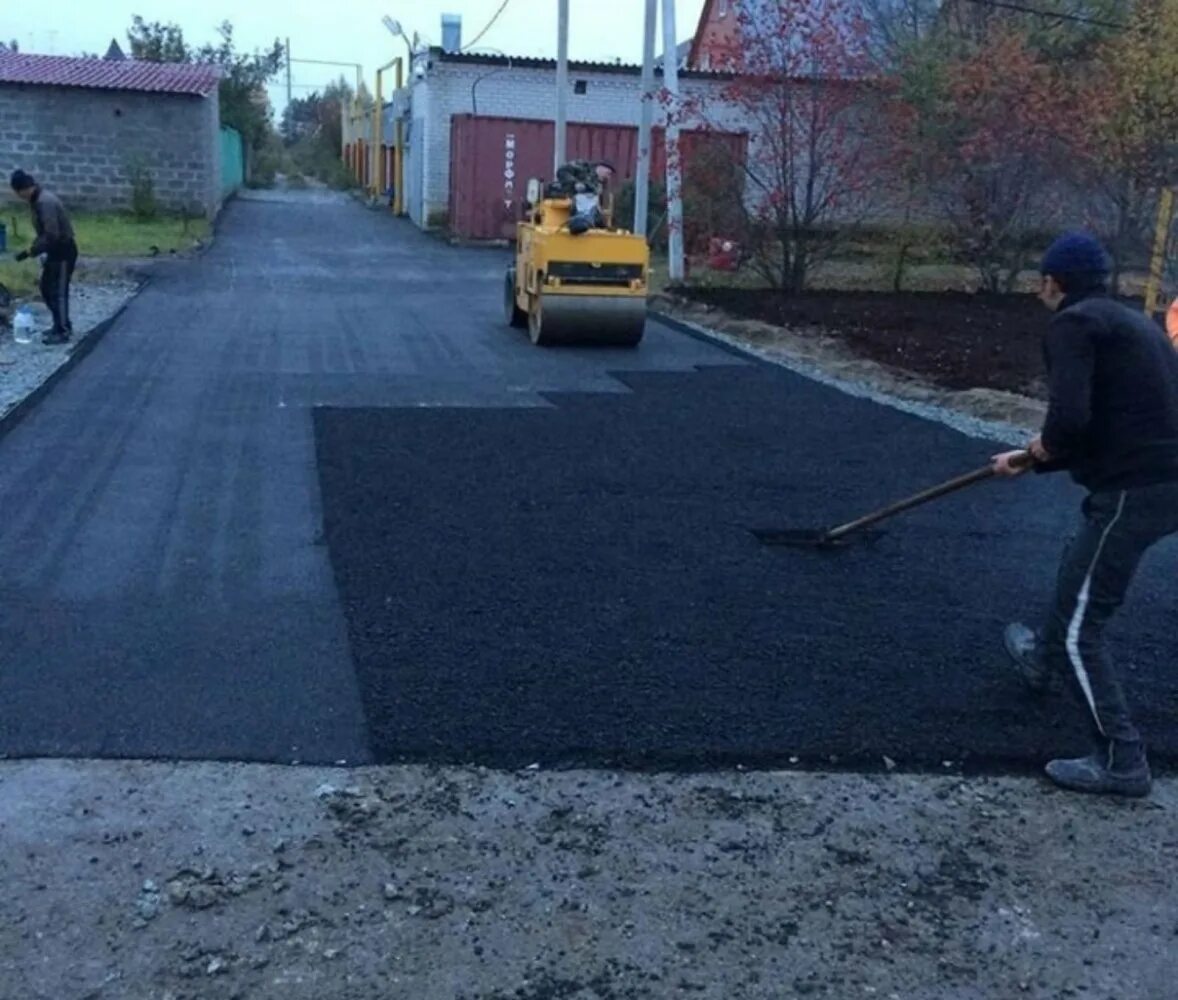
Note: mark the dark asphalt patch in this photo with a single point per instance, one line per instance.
(579, 585)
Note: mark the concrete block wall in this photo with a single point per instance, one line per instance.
(609, 98)
(82, 144)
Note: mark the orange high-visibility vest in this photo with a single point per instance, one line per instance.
(1172, 322)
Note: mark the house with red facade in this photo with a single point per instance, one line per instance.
(729, 30)
(717, 42)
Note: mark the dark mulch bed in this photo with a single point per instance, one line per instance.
(955, 339)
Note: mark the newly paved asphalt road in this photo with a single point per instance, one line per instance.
(163, 591)
(518, 555)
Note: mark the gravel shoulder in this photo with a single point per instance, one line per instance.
(194, 881)
(25, 367)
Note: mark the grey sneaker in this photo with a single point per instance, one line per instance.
(1120, 770)
(1022, 645)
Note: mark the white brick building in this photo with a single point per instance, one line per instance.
(447, 84)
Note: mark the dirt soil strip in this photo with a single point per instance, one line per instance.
(987, 413)
(135, 881)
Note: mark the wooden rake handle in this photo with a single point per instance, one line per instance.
(926, 496)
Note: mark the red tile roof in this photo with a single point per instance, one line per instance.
(129, 74)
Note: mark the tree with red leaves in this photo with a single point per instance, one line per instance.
(992, 129)
(804, 95)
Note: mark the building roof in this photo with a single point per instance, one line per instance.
(102, 74)
(533, 62)
(682, 51)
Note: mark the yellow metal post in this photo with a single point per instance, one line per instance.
(378, 124)
(1153, 287)
(374, 175)
(353, 117)
(399, 152)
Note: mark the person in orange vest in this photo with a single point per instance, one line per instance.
(1172, 322)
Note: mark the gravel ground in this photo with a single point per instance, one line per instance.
(207, 882)
(23, 367)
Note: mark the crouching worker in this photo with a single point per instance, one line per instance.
(1112, 423)
(55, 239)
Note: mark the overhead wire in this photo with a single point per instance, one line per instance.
(1062, 15)
(490, 24)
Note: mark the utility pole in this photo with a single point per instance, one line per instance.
(674, 167)
(562, 87)
(642, 181)
(289, 85)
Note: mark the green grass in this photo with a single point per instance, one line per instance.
(126, 236)
(115, 235)
(19, 279)
(99, 235)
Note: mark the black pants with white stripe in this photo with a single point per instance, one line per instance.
(56, 275)
(1098, 567)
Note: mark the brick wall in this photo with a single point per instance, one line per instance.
(609, 98)
(82, 143)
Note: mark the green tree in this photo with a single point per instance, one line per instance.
(312, 130)
(318, 116)
(895, 26)
(1130, 139)
(244, 104)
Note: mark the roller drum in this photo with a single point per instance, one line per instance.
(589, 319)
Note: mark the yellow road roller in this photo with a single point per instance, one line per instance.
(581, 285)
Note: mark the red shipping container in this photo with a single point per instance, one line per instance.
(492, 159)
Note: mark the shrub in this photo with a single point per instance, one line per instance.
(144, 205)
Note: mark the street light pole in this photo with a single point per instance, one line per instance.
(395, 29)
(562, 87)
(642, 181)
(674, 167)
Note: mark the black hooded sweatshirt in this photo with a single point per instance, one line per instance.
(1112, 420)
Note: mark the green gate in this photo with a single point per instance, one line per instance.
(232, 161)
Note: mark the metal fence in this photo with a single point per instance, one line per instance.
(232, 161)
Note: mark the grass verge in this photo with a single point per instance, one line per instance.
(99, 235)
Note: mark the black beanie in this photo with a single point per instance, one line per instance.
(21, 180)
(1075, 253)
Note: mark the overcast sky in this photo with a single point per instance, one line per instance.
(345, 30)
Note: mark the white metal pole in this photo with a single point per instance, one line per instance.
(674, 168)
(642, 180)
(562, 87)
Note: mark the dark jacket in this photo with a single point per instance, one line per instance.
(1112, 420)
(55, 232)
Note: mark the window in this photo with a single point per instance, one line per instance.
(581, 87)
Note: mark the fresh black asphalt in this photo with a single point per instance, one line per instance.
(578, 586)
(309, 500)
(163, 587)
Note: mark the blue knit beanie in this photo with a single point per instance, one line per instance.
(1075, 253)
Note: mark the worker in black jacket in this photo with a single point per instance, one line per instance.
(55, 239)
(1112, 422)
